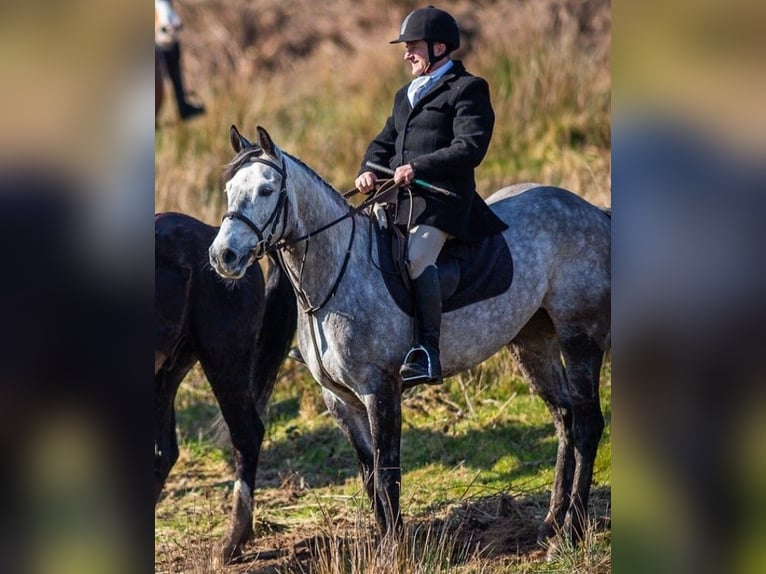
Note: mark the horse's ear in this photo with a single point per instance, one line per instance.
(264, 140)
(238, 141)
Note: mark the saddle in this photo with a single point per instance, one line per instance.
(468, 272)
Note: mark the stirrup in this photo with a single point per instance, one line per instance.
(426, 377)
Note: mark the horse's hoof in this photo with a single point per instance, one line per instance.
(553, 549)
(230, 552)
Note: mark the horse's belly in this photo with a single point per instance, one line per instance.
(473, 334)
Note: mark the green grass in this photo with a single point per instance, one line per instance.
(480, 438)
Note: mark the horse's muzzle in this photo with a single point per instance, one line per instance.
(228, 263)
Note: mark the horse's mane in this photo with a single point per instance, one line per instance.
(317, 178)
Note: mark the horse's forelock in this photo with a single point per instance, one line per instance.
(231, 168)
(244, 156)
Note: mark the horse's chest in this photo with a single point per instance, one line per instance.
(337, 345)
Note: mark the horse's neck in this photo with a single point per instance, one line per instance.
(316, 262)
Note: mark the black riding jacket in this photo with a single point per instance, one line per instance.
(444, 137)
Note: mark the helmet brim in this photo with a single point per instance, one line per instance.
(402, 39)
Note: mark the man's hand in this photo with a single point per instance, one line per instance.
(366, 182)
(404, 174)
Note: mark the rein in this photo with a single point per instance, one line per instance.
(382, 193)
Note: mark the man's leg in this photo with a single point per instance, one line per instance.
(422, 365)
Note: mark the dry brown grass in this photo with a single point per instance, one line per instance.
(321, 81)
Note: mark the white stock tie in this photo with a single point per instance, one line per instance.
(417, 88)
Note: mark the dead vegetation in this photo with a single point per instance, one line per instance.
(320, 76)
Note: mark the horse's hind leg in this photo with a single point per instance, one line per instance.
(538, 354)
(583, 358)
(166, 384)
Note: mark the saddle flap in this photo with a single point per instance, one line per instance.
(468, 272)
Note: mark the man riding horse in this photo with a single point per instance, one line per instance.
(439, 131)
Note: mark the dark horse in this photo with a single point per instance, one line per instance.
(238, 331)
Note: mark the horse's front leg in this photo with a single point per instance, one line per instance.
(377, 452)
(246, 430)
(384, 409)
(354, 424)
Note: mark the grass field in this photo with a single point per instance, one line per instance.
(477, 459)
(477, 452)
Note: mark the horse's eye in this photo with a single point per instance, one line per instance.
(265, 191)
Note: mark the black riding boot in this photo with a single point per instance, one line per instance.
(421, 365)
(173, 66)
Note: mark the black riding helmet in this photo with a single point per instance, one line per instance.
(432, 25)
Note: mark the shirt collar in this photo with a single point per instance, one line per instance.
(440, 72)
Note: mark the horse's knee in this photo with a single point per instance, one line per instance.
(588, 427)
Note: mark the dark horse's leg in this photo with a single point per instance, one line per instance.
(243, 386)
(166, 384)
(232, 391)
(538, 353)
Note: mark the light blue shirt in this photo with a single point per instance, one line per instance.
(422, 84)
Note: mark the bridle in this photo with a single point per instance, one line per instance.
(280, 208)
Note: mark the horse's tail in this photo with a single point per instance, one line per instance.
(280, 319)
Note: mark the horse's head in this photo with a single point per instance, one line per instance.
(256, 190)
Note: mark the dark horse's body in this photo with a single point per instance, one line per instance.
(239, 332)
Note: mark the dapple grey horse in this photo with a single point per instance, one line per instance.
(555, 316)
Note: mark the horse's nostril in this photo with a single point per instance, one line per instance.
(228, 256)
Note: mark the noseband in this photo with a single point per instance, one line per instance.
(273, 220)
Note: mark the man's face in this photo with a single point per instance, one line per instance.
(416, 54)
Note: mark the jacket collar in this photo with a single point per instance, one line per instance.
(449, 76)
